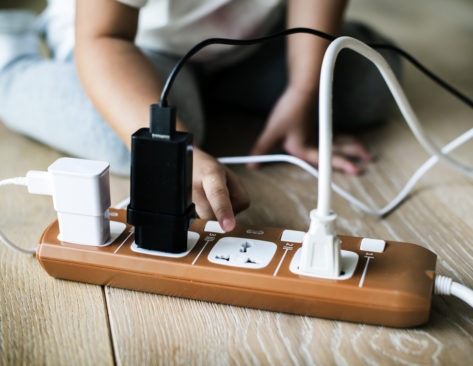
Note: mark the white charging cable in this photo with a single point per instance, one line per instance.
(379, 212)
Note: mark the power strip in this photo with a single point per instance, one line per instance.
(383, 283)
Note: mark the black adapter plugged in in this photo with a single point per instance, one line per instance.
(161, 208)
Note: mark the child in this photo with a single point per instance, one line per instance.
(95, 92)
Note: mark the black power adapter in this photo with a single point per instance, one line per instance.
(161, 208)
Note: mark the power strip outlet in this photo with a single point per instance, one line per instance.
(383, 283)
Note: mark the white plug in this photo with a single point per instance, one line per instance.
(81, 197)
(320, 253)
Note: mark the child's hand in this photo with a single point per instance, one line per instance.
(217, 192)
(291, 125)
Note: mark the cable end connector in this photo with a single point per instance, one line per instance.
(162, 121)
(39, 182)
(321, 248)
(81, 198)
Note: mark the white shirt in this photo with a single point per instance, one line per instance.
(174, 26)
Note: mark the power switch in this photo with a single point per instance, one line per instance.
(293, 236)
(213, 227)
(372, 245)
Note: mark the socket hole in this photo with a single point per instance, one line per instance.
(223, 257)
(249, 260)
(245, 246)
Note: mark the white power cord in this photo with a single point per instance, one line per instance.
(379, 212)
(325, 260)
(325, 118)
(446, 286)
(11, 245)
(19, 181)
(391, 81)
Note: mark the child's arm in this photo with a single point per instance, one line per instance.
(122, 83)
(292, 119)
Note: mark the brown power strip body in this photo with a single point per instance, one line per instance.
(395, 289)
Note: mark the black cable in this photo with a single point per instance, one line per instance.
(247, 42)
(231, 42)
(425, 71)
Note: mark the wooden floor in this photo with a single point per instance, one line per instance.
(55, 322)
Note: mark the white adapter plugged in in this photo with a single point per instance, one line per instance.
(81, 196)
(320, 253)
(242, 252)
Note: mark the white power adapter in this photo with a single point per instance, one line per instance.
(81, 196)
